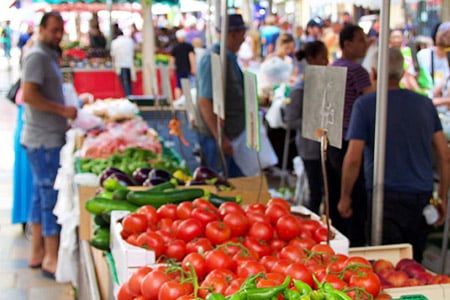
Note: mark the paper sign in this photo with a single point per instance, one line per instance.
(186, 87)
(252, 111)
(323, 102)
(165, 83)
(217, 82)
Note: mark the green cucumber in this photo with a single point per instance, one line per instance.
(218, 200)
(101, 240)
(100, 221)
(98, 205)
(119, 194)
(159, 198)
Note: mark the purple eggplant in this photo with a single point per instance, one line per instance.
(204, 173)
(108, 172)
(160, 173)
(123, 179)
(152, 181)
(141, 174)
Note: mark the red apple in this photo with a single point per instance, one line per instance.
(425, 277)
(404, 262)
(397, 278)
(439, 279)
(384, 273)
(412, 282)
(380, 264)
(413, 270)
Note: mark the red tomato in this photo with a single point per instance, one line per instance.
(205, 215)
(276, 211)
(310, 226)
(234, 286)
(212, 285)
(320, 271)
(203, 203)
(303, 243)
(152, 282)
(268, 261)
(367, 280)
(337, 263)
(185, 297)
(248, 268)
(165, 224)
(361, 263)
(241, 257)
(256, 208)
(173, 289)
(217, 232)
(259, 246)
(167, 211)
(321, 234)
(217, 259)
(256, 217)
(287, 227)
(323, 249)
(124, 292)
(190, 229)
(226, 274)
(132, 239)
(176, 249)
(151, 241)
(198, 263)
(228, 207)
(277, 277)
(267, 283)
(184, 210)
(261, 231)
(135, 280)
(279, 201)
(237, 221)
(200, 245)
(277, 244)
(335, 281)
(292, 253)
(150, 212)
(166, 236)
(135, 223)
(280, 266)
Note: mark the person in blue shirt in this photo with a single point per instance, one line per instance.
(234, 123)
(413, 130)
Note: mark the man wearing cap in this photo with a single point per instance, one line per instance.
(234, 122)
(314, 29)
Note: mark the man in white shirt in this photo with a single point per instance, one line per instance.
(122, 53)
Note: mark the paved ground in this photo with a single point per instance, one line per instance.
(17, 281)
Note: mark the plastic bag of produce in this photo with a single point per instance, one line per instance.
(301, 186)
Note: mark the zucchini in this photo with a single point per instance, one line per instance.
(101, 240)
(159, 198)
(98, 205)
(218, 200)
(119, 194)
(100, 221)
(164, 186)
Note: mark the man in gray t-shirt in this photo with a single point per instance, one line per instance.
(43, 135)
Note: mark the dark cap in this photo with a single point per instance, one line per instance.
(318, 22)
(235, 23)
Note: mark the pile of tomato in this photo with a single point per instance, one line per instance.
(216, 249)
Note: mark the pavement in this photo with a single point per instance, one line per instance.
(17, 280)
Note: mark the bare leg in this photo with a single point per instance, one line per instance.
(50, 261)
(37, 245)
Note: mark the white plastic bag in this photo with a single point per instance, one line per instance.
(274, 115)
(247, 159)
(302, 196)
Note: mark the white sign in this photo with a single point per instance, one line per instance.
(217, 82)
(251, 109)
(323, 103)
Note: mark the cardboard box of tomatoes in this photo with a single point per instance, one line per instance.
(395, 254)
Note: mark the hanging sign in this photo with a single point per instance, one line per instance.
(217, 81)
(252, 112)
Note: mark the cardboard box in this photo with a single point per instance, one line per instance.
(86, 226)
(340, 243)
(250, 189)
(127, 258)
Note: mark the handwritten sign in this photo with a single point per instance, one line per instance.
(252, 112)
(186, 87)
(323, 102)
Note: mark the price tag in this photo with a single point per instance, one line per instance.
(252, 112)
(186, 87)
(323, 102)
(217, 81)
(165, 83)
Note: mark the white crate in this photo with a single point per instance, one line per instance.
(127, 258)
(340, 243)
